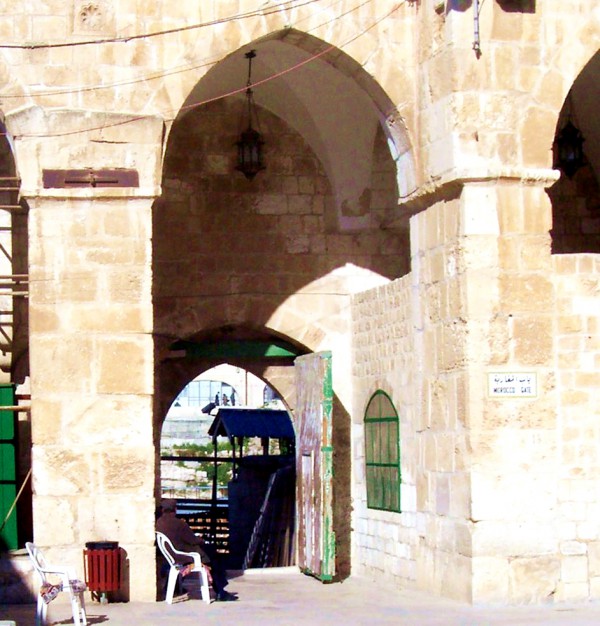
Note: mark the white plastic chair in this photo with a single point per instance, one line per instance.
(169, 552)
(48, 574)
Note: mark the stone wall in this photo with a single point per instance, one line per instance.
(497, 492)
(504, 488)
(577, 341)
(385, 543)
(442, 329)
(91, 349)
(513, 439)
(251, 244)
(263, 255)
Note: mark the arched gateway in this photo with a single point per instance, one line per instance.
(242, 263)
(401, 224)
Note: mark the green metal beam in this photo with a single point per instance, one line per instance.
(237, 349)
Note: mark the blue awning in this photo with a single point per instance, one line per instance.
(232, 422)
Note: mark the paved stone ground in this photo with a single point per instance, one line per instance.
(286, 598)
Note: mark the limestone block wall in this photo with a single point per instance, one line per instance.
(266, 254)
(508, 505)
(577, 340)
(510, 302)
(91, 345)
(409, 340)
(502, 493)
(441, 330)
(384, 543)
(91, 380)
(496, 111)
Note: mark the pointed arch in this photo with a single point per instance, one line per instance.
(329, 99)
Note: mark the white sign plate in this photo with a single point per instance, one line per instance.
(512, 384)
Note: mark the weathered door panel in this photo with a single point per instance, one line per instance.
(314, 399)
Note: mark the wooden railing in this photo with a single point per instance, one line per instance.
(208, 519)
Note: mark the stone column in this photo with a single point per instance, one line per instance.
(440, 381)
(509, 304)
(91, 344)
(484, 304)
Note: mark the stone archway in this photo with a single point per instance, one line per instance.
(549, 90)
(576, 195)
(283, 253)
(213, 461)
(317, 210)
(339, 110)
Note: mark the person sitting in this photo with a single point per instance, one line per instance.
(183, 538)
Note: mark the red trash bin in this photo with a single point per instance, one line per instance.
(102, 567)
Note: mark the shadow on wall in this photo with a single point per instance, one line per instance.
(576, 213)
(227, 252)
(517, 6)
(510, 6)
(16, 576)
(342, 501)
(122, 595)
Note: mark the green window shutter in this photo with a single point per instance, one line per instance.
(382, 454)
(7, 418)
(7, 462)
(8, 477)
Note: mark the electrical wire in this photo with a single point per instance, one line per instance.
(162, 74)
(178, 69)
(125, 39)
(233, 92)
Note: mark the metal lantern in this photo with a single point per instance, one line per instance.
(250, 153)
(250, 158)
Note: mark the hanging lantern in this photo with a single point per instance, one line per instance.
(568, 149)
(250, 160)
(250, 153)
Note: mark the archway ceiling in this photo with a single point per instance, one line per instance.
(336, 117)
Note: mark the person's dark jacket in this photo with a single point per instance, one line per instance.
(182, 537)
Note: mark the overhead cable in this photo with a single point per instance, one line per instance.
(294, 4)
(233, 92)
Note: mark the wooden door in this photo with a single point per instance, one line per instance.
(314, 465)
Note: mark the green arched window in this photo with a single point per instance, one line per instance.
(382, 453)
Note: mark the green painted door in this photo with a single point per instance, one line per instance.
(8, 474)
(314, 465)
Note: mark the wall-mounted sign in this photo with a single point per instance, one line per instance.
(512, 384)
(116, 177)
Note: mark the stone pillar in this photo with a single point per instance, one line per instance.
(91, 345)
(509, 304)
(484, 303)
(440, 377)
